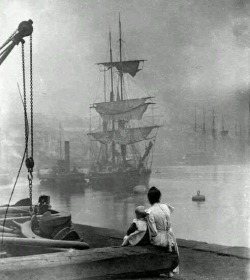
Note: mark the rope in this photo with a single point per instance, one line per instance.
(18, 173)
(7, 208)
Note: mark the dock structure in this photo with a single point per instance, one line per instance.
(108, 262)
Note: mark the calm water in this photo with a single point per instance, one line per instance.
(223, 219)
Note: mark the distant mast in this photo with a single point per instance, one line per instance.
(204, 129)
(60, 140)
(195, 129)
(214, 132)
(248, 123)
(204, 122)
(195, 124)
(213, 126)
(223, 131)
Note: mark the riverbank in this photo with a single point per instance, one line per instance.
(198, 260)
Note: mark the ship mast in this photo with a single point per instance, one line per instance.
(195, 124)
(204, 128)
(104, 81)
(112, 96)
(195, 129)
(121, 123)
(60, 129)
(222, 123)
(111, 69)
(120, 44)
(204, 122)
(213, 129)
(248, 123)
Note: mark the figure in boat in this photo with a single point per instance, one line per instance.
(49, 226)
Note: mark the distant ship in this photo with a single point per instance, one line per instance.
(62, 173)
(206, 144)
(120, 159)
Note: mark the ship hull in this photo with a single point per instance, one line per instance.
(120, 179)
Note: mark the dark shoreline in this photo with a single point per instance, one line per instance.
(114, 238)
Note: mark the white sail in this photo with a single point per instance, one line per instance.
(131, 109)
(124, 136)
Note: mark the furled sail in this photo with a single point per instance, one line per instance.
(131, 66)
(124, 136)
(131, 109)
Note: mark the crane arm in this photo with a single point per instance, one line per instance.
(24, 29)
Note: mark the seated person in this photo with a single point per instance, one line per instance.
(138, 233)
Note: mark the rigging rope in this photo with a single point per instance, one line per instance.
(18, 173)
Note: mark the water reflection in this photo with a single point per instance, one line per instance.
(223, 218)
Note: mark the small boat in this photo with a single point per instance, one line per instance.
(19, 209)
(32, 239)
(46, 228)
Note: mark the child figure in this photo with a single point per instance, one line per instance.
(138, 233)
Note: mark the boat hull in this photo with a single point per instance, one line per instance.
(124, 179)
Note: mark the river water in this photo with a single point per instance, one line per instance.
(222, 219)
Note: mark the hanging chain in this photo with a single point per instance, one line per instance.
(29, 160)
(31, 96)
(30, 164)
(25, 104)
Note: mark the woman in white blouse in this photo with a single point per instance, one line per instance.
(159, 223)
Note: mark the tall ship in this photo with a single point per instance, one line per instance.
(123, 143)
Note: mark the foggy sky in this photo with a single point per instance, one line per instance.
(197, 52)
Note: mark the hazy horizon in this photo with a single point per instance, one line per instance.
(196, 51)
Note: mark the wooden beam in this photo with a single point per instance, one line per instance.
(89, 264)
(44, 243)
